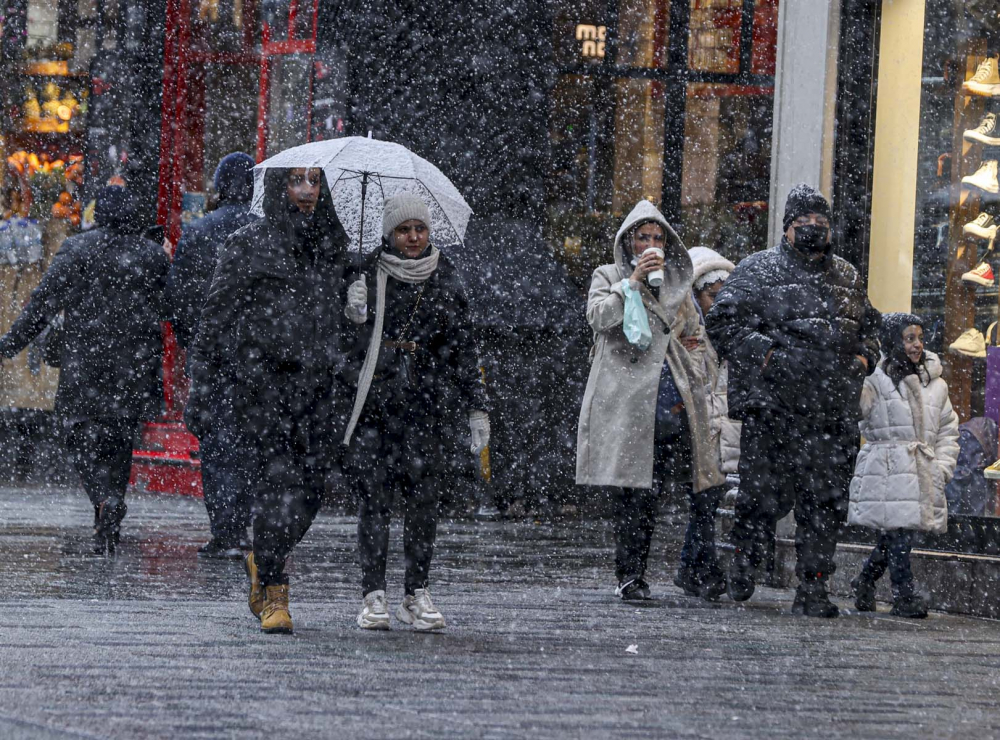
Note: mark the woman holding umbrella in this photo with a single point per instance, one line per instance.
(417, 375)
(271, 327)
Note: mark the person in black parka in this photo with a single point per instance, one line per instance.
(270, 330)
(228, 464)
(415, 366)
(109, 283)
(795, 324)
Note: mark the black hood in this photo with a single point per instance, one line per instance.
(234, 178)
(286, 217)
(117, 209)
(802, 201)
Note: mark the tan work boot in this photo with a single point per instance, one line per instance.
(256, 599)
(275, 617)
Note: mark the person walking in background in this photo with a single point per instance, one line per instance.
(415, 365)
(795, 325)
(909, 455)
(699, 573)
(271, 327)
(644, 419)
(109, 283)
(228, 459)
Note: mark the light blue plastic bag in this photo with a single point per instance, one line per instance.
(636, 322)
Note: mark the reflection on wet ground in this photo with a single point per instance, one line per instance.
(158, 555)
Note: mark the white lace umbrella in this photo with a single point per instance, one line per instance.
(362, 173)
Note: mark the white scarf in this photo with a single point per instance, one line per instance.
(406, 271)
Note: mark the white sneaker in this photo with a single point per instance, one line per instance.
(419, 611)
(983, 226)
(985, 177)
(987, 133)
(374, 612)
(986, 80)
(971, 343)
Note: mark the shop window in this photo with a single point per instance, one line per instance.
(957, 209)
(224, 26)
(643, 28)
(714, 44)
(727, 168)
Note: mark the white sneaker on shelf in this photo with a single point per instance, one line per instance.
(419, 611)
(374, 612)
(983, 226)
(971, 343)
(981, 275)
(985, 178)
(986, 80)
(988, 132)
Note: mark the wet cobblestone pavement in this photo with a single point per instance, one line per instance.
(158, 643)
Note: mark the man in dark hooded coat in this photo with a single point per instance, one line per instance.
(270, 328)
(109, 282)
(228, 464)
(796, 326)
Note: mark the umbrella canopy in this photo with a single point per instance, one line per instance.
(362, 173)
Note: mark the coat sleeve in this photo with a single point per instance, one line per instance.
(605, 303)
(186, 287)
(946, 446)
(734, 323)
(462, 341)
(227, 299)
(47, 300)
(869, 396)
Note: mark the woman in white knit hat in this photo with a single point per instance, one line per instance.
(416, 371)
(699, 573)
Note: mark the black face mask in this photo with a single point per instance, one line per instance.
(811, 239)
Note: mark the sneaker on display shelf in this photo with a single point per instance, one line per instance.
(982, 275)
(986, 80)
(987, 133)
(971, 343)
(983, 226)
(985, 177)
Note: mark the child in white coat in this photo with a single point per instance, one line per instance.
(909, 455)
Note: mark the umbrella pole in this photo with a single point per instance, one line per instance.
(361, 228)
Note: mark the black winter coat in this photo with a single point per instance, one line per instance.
(111, 286)
(814, 315)
(270, 329)
(440, 380)
(194, 264)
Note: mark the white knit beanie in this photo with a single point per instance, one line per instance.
(401, 208)
(709, 267)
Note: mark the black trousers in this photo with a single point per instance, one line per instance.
(229, 472)
(292, 471)
(635, 509)
(892, 551)
(698, 552)
(395, 451)
(102, 454)
(789, 462)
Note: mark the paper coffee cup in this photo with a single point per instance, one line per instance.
(655, 278)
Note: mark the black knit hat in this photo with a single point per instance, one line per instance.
(804, 200)
(892, 329)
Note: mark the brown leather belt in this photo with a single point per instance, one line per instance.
(405, 346)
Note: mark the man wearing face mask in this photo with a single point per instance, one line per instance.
(796, 326)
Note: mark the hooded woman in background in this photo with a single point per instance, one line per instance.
(644, 419)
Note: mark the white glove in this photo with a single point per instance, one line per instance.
(479, 425)
(357, 301)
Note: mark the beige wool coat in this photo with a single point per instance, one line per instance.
(615, 436)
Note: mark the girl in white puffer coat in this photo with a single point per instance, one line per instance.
(909, 455)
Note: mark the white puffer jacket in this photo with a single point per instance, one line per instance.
(725, 431)
(909, 455)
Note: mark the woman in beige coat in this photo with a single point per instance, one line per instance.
(644, 418)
